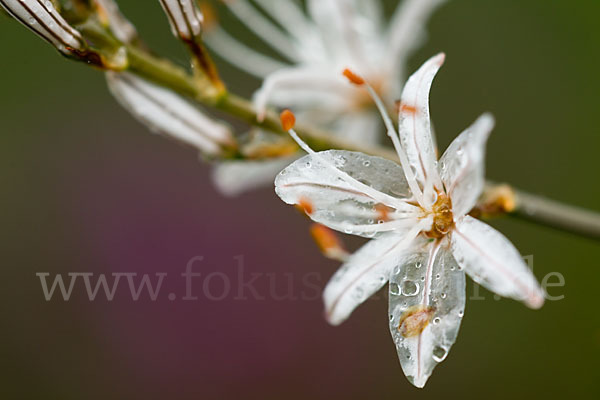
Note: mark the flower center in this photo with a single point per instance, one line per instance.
(443, 219)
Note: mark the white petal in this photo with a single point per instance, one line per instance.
(120, 26)
(415, 124)
(43, 19)
(365, 273)
(492, 261)
(184, 17)
(240, 55)
(407, 30)
(462, 165)
(232, 178)
(345, 204)
(272, 34)
(427, 302)
(315, 85)
(165, 112)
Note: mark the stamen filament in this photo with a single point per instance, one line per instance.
(391, 132)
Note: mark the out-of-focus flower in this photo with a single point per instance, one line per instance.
(335, 34)
(165, 112)
(318, 45)
(184, 17)
(423, 241)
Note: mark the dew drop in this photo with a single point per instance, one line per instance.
(439, 354)
(307, 164)
(443, 295)
(418, 265)
(394, 289)
(438, 276)
(436, 320)
(461, 313)
(410, 288)
(366, 163)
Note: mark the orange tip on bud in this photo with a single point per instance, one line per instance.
(288, 120)
(353, 78)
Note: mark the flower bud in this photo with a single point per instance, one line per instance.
(43, 19)
(184, 17)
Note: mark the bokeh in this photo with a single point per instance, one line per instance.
(88, 189)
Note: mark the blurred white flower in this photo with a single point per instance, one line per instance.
(318, 44)
(333, 35)
(167, 113)
(424, 241)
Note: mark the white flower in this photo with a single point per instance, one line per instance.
(424, 241)
(318, 45)
(335, 34)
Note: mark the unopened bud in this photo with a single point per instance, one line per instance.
(43, 19)
(184, 17)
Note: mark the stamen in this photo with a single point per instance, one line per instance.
(367, 190)
(353, 78)
(288, 120)
(329, 243)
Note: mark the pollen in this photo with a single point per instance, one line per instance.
(288, 120)
(414, 320)
(353, 78)
(443, 219)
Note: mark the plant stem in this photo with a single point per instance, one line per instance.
(528, 206)
(557, 215)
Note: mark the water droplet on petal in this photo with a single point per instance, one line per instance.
(394, 289)
(410, 288)
(439, 354)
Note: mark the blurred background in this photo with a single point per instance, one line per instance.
(88, 189)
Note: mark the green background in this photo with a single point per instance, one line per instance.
(87, 189)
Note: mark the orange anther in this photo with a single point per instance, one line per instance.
(353, 78)
(305, 205)
(329, 243)
(288, 120)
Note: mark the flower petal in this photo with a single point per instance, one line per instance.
(407, 30)
(316, 88)
(372, 193)
(415, 124)
(492, 261)
(427, 302)
(365, 273)
(462, 165)
(165, 112)
(233, 178)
